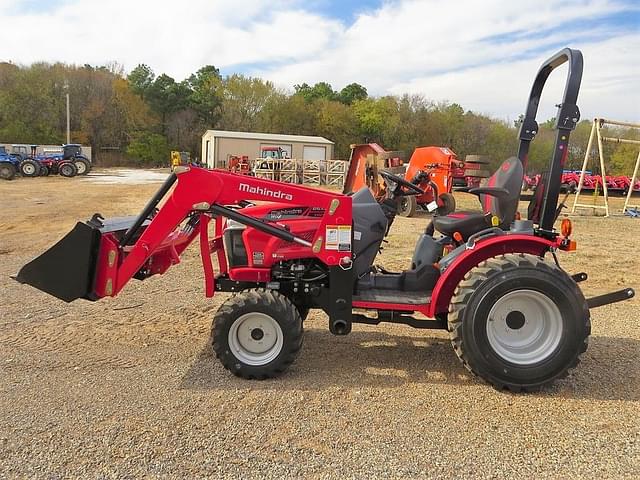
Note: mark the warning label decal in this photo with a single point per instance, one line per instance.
(338, 237)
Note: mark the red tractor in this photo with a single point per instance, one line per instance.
(239, 164)
(570, 180)
(469, 174)
(515, 318)
(530, 182)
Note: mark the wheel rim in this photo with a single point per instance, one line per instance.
(29, 169)
(66, 170)
(404, 205)
(255, 338)
(81, 167)
(524, 327)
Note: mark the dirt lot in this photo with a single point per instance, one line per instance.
(127, 387)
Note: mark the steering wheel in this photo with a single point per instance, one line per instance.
(400, 182)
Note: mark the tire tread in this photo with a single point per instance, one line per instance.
(472, 280)
(257, 298)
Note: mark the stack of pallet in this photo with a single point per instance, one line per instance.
(306, 172)
(289, 170)
(268, 168)
(311, 172)
(334, 174)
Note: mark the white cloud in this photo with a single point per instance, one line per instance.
(176, 39)
(436, 48)
(609, 83)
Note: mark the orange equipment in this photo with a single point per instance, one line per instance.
(364, 163)
(431, 168)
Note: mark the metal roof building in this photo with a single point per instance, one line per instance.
(219, 145)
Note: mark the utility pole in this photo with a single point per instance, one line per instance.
(66, 87)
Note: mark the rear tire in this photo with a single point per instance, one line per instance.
(7, 171)
(82, 165)
(29, 168)
(257, 334)
(408, 206)
(448, 204)
(519, 322)
(68, 170)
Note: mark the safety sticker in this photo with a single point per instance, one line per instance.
(338, 237)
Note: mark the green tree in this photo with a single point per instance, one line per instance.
(287, 114)
(149, 148)
(165, 97)
(318, 91)
(242, 100)
(352, 92)
(623, 159)
(141, 78)
(378, 120)
(206, 94)
(337, 122)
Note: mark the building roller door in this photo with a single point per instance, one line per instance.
(314, 153)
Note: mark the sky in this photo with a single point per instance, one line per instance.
(482, 54)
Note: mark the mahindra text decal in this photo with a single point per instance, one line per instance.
(279, 194)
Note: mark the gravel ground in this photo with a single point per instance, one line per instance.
(127, 387)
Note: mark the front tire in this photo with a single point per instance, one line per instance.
(519, 322)
(407, 206)
(257, 334)
(82, 165)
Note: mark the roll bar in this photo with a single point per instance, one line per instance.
(566, 120)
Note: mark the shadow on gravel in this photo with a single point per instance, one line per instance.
(608, 371)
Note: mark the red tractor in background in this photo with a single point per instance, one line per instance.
(239, 164)
(273, 152)
(469, 174)
(55, 163)
(514, 317)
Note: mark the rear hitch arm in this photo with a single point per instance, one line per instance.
(612, 297)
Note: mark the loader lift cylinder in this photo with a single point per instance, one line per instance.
(278, 232)
(148, 209)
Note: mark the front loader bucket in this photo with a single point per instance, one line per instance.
(67, 269)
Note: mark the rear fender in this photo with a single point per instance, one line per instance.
(471, 257)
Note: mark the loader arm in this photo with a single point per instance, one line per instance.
(153, 242)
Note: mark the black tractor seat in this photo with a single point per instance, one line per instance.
(499, 199)
(466, 223)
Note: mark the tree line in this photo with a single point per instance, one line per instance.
(137, 118)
